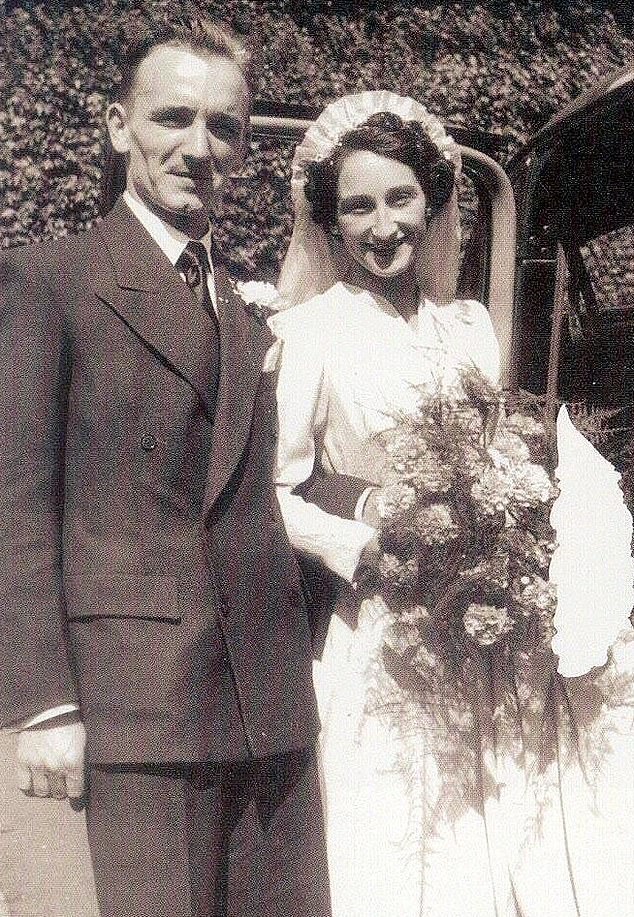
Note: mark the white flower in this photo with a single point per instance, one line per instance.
(435, 524)
(395, 502)
(531, 485)
(400, 574)
(511, 446)
(491, 492)
(486, 624)
(256, 291)
(414, 615)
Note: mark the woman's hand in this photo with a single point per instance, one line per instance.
(371, 515)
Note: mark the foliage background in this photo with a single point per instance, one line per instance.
(496, 66)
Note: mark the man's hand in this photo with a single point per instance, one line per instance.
(51, 760)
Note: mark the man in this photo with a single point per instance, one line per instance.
(152, 607)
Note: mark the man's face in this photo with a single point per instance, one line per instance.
(182, 131)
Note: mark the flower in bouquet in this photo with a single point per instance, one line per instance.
(486, 624)
(511, 446)
(534, 596)
(397, 572)
(429, 475)
(395, 503)
(531, 485)
(435, 525)
(404, 448)
(491, 493)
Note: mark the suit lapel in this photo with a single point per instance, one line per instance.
(243, 345)
(150, 297)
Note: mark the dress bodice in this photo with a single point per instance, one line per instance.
(349, 366)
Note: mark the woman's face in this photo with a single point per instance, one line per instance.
(380, 213)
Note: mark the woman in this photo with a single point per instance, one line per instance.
(455, 802)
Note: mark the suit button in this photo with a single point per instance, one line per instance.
(224, 610)
(148, 442)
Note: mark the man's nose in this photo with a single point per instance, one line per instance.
(196, 144)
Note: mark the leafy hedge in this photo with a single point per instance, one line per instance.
(503, 67)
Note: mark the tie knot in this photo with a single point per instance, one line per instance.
(198, 251)
(193, 265)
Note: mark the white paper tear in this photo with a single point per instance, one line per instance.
(592, 565)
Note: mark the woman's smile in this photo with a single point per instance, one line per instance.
(380, 214)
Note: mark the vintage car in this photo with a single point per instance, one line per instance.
(573, 311)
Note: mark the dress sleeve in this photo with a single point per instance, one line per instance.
(480, 340)
(302, 397)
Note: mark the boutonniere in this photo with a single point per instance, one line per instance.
(259, 298)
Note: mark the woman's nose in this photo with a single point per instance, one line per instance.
(384, 224)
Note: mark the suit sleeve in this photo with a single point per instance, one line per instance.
(334, 493)
(35, 673)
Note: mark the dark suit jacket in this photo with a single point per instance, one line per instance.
(144, 567)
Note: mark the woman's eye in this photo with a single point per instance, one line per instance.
(402, 198)
(355, 206)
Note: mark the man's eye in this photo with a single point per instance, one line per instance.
(174, 118)
(225, 130)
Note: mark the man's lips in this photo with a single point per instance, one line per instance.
(206, 178)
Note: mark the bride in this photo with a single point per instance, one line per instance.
(503, 789)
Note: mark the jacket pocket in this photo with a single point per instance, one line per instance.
(153, 597)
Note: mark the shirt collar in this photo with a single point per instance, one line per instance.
(170, 240)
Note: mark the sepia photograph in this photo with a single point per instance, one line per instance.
(317, 458)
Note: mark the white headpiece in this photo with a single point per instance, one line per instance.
(309, 266)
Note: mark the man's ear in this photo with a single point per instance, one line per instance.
(117, 124)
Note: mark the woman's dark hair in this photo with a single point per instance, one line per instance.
(385, 134)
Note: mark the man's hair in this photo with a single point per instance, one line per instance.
(386, 134)
(195, 33)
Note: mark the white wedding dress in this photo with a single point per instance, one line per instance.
(506, 790)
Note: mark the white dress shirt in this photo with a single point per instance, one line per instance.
(172, 243)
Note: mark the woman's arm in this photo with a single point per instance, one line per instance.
(302, 397)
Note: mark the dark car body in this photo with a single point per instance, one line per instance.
(573, 309)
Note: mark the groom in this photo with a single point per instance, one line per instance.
(153, 632)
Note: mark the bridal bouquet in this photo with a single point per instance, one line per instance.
(465, 533)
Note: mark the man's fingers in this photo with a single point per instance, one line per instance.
(23, 779)
(75, 784)
(40, 782)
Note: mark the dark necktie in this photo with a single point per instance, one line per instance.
(193, 265)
